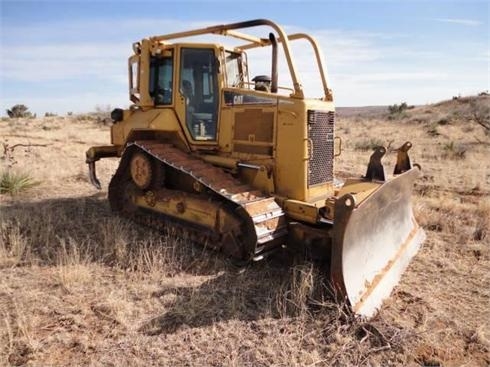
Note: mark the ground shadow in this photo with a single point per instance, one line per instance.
(247, 295)
(283, 285)
(85, 225)
(249, 292)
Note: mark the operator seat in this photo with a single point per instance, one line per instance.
(187, 92)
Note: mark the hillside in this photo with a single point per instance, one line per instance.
(362, 112)
(81, 286)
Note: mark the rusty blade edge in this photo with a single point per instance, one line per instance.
(384, 282)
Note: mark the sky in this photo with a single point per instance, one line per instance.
(71, 56)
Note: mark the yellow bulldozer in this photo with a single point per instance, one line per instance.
(247, 166)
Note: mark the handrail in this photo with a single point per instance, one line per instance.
(318, 55)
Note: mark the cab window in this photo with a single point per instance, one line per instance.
(161, 79)
(234, 74)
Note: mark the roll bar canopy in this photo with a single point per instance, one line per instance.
(230, 30)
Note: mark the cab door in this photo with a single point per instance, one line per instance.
(198, 93)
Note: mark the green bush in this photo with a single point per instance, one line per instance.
(397, 109)
(19, 110)
(13, 183)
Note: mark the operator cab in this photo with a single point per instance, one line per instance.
(181, 77)
(192, 80)
(195, 88)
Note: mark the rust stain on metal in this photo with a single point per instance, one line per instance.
(265, 215)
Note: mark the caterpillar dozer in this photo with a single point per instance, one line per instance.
(247, 166)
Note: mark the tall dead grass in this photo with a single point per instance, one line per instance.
(79, 231)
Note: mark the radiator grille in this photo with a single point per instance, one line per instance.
(321, 147)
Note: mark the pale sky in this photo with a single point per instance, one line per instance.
(60, 56)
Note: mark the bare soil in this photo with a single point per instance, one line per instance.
(80, 286)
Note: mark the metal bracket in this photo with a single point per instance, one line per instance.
(340, 146)
(402, 159)
(93, 155)
(375, 170)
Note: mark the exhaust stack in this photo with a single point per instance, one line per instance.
(274, 75)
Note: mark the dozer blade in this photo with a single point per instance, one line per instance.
(374, 243)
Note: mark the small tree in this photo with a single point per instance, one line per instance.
(19, 110)
(480, 113)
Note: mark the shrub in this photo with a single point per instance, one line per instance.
(432, 130)
(480, 113)
(19, 110)
(103, 114)
(443, 121)
(368, 144)
(85, 117)
(454, 151)
(14, 183)
(398, 109)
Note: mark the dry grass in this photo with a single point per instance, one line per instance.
(79, 286)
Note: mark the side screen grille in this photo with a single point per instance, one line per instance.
(321, 147)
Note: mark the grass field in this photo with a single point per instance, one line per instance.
(80, 286)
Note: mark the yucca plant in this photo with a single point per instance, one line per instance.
(12, 182)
